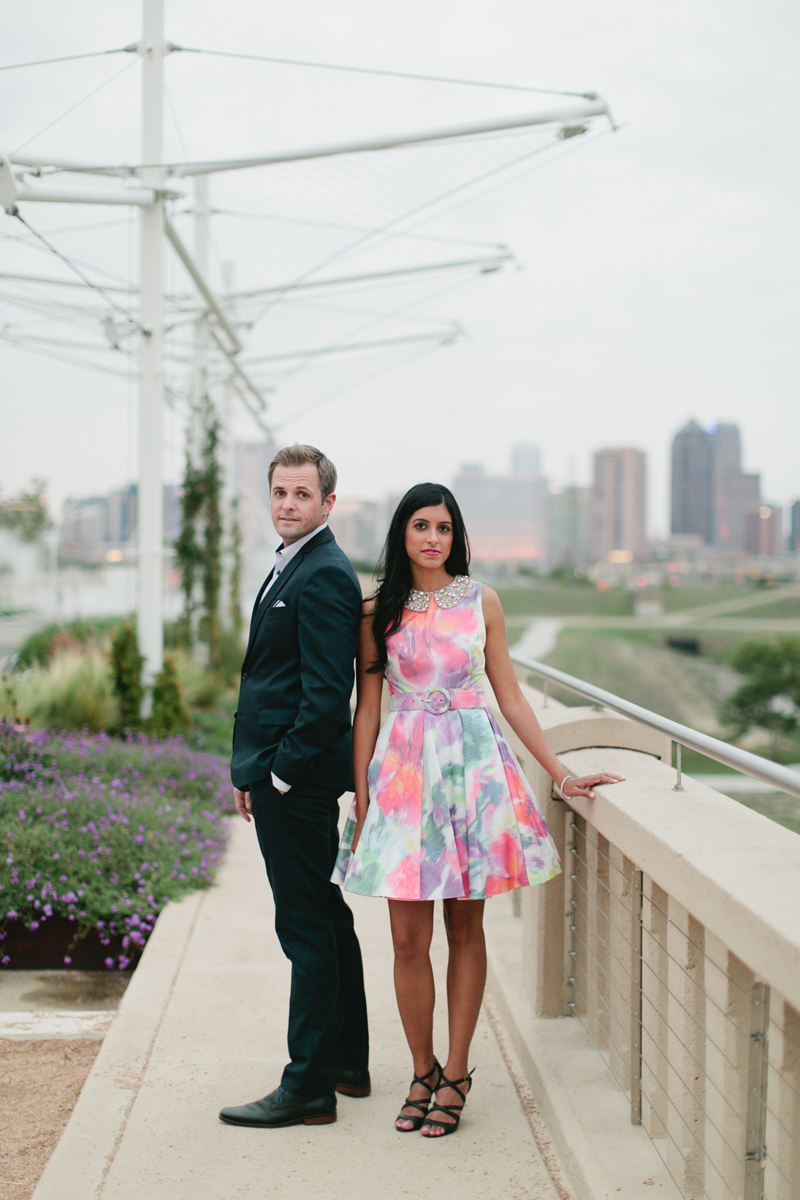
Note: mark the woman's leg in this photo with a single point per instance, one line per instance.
(466, 980)
(412, 929)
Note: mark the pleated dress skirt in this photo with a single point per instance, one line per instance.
(451, 815)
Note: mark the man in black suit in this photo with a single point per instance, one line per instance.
(291, 763)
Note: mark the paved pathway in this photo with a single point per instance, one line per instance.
(221, 1040)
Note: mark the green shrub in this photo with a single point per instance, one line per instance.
(126, 673)
(170, 714)
(72, 692)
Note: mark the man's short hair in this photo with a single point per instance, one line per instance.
(297, 455)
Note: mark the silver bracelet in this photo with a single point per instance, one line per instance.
(559, 786)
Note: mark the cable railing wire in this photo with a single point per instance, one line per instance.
(708, 998)
(595, 961)
(577, 965)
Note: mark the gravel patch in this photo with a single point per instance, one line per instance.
(39, 1085)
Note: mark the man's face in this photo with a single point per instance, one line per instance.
(296, 501)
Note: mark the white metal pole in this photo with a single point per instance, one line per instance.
(200, 385)
(228, 466)
(150, 515)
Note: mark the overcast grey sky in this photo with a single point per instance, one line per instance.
(660, 263)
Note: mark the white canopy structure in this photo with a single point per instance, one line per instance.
(151, 186)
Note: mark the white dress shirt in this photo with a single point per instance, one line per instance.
(283, 556)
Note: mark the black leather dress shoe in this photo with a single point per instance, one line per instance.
(353, 1083)
(281, 1108)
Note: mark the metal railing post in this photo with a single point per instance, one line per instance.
(678, 784)
(636, 997)
(757, 1074)
(570, 913)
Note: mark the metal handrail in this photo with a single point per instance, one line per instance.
(731, 756)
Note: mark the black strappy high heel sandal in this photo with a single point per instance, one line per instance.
(422, 1105)
(452, 1110)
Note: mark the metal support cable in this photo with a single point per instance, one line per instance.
(682, 969)
(717, 967)
(72, 108)
(43, 62)
(73, 267)
(702, 1029)
(724, 1141)
(347, 251)
(700, 949)
(297, 62)
(577, 965)
(663, 1124)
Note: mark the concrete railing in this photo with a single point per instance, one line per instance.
(673, 938)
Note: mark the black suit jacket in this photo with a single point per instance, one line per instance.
(298, 672)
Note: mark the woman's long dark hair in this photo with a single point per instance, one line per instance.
(394, 568)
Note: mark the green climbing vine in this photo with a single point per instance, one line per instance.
(235, 592)
(212, 547)
(198, 549)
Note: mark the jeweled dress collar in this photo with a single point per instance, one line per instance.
(447, 597)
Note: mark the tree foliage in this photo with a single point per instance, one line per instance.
(770, 697)
(27, 512)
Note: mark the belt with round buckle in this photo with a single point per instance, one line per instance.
(437, 708)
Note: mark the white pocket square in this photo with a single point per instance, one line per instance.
(279, 604)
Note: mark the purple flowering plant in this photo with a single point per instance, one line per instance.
(104, 831)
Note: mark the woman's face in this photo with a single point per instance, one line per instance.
(429, 536)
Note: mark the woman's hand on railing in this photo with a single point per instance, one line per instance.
(572, 787)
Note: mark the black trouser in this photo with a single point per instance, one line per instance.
(299, 839)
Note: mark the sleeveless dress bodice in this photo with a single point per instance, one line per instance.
(451, 815)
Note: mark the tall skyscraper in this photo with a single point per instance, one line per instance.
(794, 526)
(692, 482)
(569, 526)
(763, 531)
(619, 502)
(712, 497)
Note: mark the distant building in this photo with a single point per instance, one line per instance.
(569, 526)
(251, 475)
(794, 526)
(357, 526)
(734, 493)
(526, 459)
(122, 509)
(97, 529)
(712, 497)
(763, 531)
(692, 482)
(83, 535)
(505, 515)
(619, 504)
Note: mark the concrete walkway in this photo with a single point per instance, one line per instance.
(203, 1025)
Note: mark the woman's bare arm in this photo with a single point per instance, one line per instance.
(516, 709)
(367, 721)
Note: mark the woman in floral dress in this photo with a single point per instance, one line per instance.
(442, 810)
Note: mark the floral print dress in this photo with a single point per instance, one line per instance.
(451, 815)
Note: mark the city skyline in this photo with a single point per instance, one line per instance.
(659, 278)
(517, 516)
